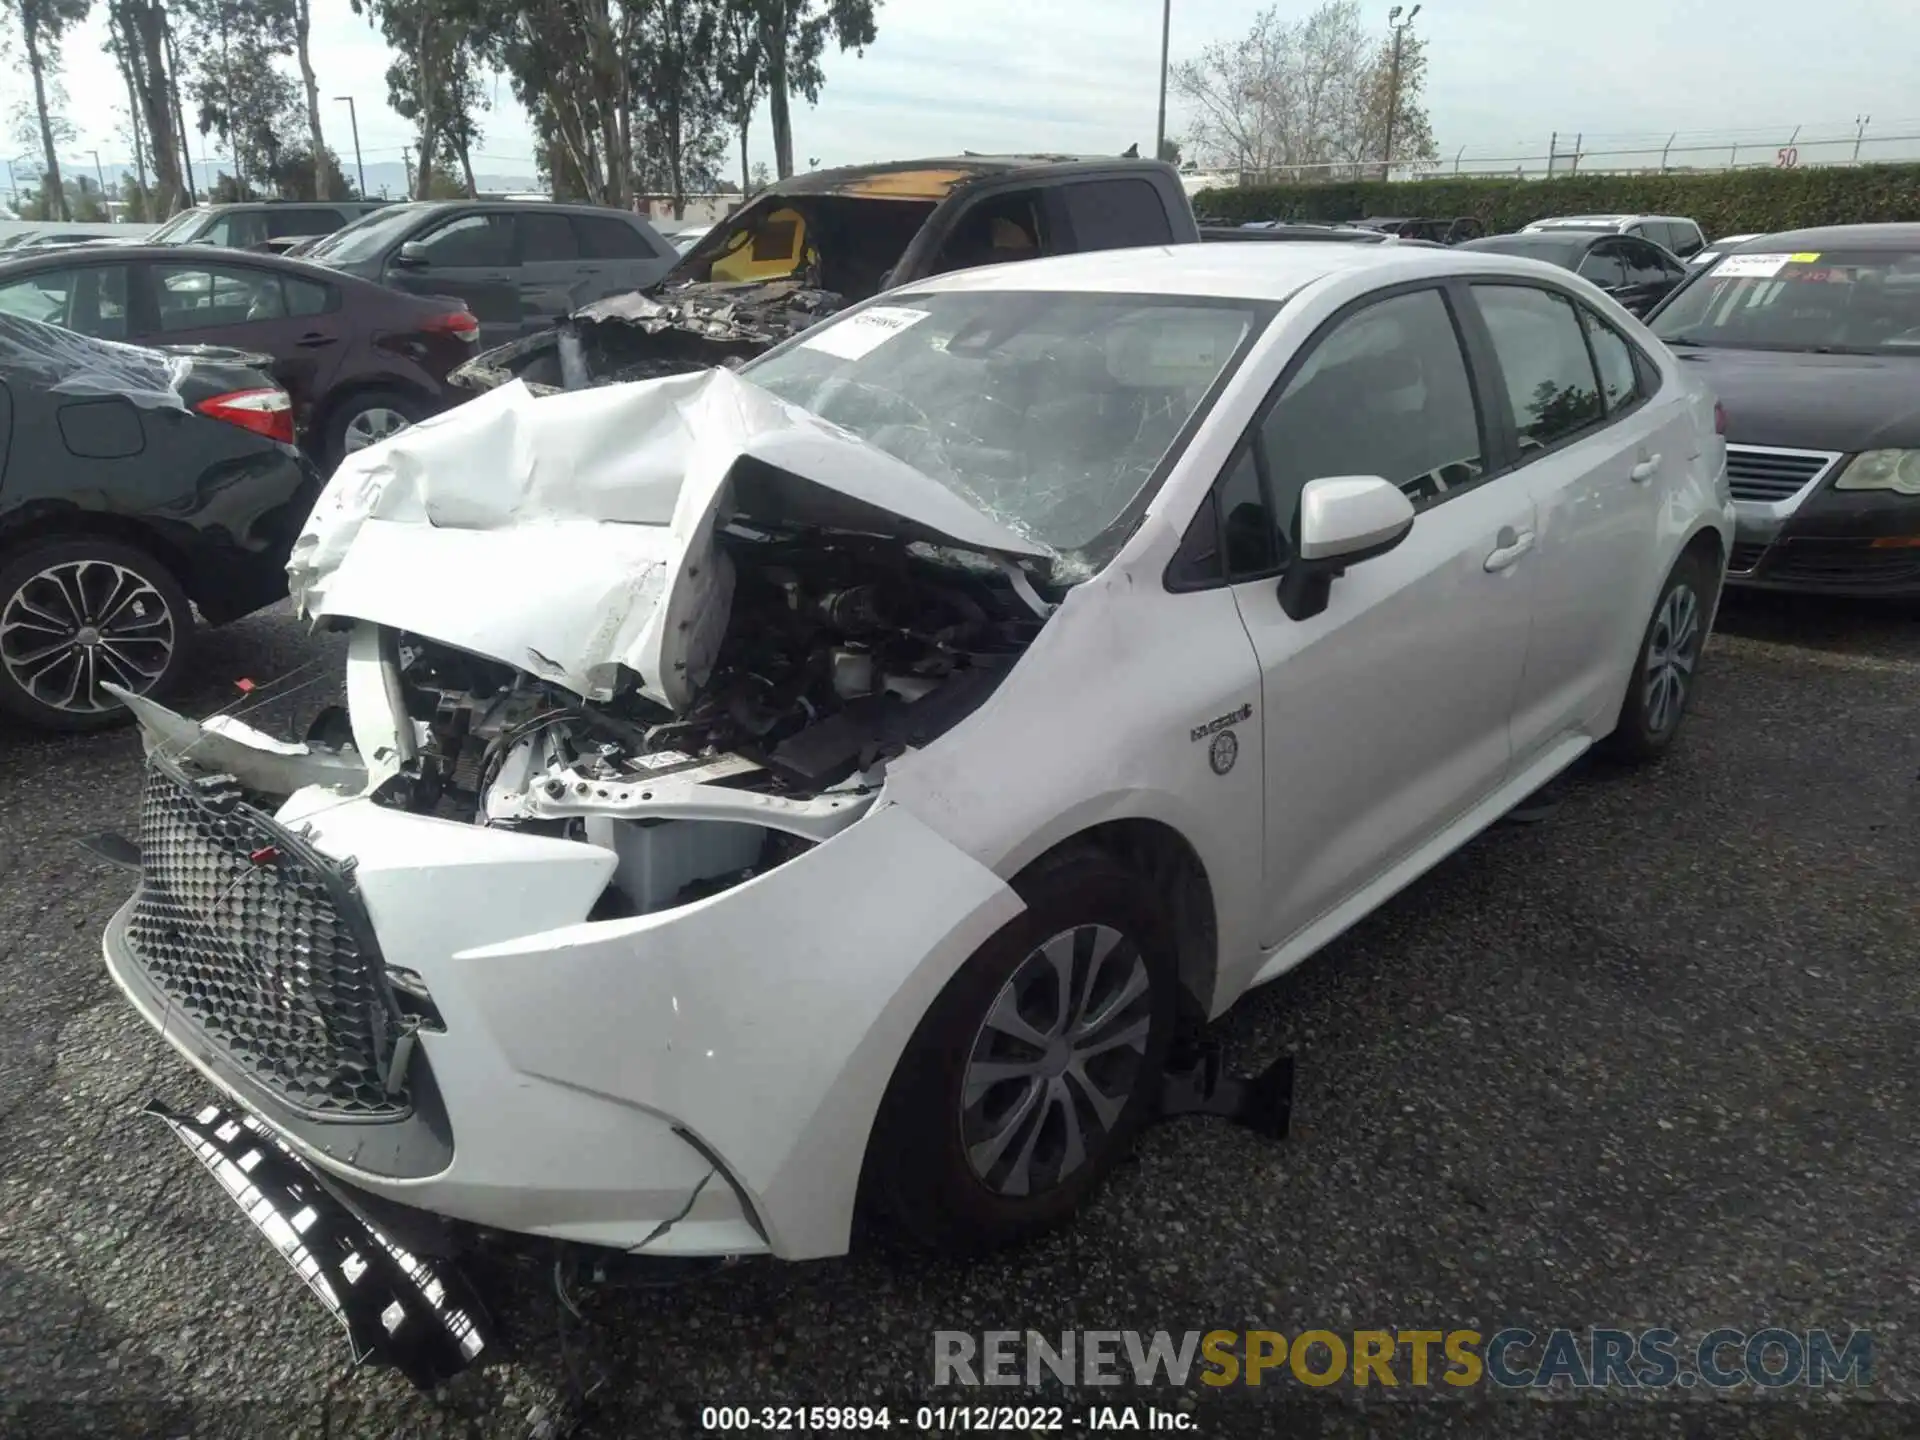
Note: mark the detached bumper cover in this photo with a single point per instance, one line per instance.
(418, 1315)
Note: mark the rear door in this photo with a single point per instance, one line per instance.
(469, 256)
(295, 320)
(554, 278)
(1596, 449)
(287, 221)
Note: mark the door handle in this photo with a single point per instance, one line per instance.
(1644, 470)
(1511, 548)
(315, 341)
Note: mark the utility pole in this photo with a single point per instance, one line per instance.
(1399, 28)
(359, 169)
(1862, 121)
(1166, 33)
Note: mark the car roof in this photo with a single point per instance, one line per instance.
(1567, 239)
(15, 262)
(936, 177)
(1233, 272)
(1839, 237)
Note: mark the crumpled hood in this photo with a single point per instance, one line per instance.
(571, 535)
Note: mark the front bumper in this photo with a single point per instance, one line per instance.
(1849, 543)
(693, 1082)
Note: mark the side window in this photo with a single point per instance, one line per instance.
(470, 241)
(546, 239)
(1386, 393)
(607, 239)
(307, 297)
(1604, 266)
(283, 222)
(1551, 389)
(1233, 522)
(196, 297)
(1116, 214)
(1645, 265)
(1613, 358)
(1005, 227)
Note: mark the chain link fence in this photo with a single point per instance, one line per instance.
(1784, 147)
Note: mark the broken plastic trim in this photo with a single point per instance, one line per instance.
(418, 1315)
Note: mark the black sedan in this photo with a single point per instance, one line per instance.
(136, 483)
(1811, 339)
(1636, 272)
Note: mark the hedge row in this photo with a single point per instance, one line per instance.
(1725, 203)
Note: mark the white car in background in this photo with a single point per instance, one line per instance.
(764, 792)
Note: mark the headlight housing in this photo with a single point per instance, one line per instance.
(1897, 470)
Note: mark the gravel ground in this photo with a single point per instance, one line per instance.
(1650, 1062)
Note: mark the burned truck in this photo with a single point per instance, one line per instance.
(814, 244)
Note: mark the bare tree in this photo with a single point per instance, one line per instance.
(1298, 98)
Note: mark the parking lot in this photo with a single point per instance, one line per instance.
(1648, 1062)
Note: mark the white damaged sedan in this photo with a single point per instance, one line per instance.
(763, 793)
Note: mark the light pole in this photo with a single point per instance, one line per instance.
(1160, 129)
(358, 169)
(1399, 28)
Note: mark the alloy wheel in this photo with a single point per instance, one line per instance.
(82, 623)
(371, 426)
(1053, 1064)
(1672, 651)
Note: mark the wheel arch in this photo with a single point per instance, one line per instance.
(53, 521)
(1166, 860)
(341, 395)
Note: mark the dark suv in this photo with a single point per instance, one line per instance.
(260, 224)
(819, 242)
(517, 265)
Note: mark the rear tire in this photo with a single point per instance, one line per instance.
(365, 418)
(1034, 1069)
(76, 612)
(1665, 669)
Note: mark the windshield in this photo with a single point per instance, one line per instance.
(1858, 302)
(1051, 412)
(178, 230)
(367, 237)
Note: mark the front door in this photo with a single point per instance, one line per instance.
(1386, 716)
(470, 258)
(1596, 447)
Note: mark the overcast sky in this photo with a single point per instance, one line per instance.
(1081, 75)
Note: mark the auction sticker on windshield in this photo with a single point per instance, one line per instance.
(1736, 267)
(861, 334)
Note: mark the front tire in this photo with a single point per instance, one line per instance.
(1666, 665)
(1036, 1066)
(76, 613)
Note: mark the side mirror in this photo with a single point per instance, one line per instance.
(412, 256)
(1344, 519)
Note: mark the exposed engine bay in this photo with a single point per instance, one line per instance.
(637, 337)
(841, 653)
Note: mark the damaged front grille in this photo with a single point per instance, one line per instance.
(263, 943)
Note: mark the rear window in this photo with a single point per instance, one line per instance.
(1115, 214)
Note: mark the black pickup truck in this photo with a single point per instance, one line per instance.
(816, 243)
